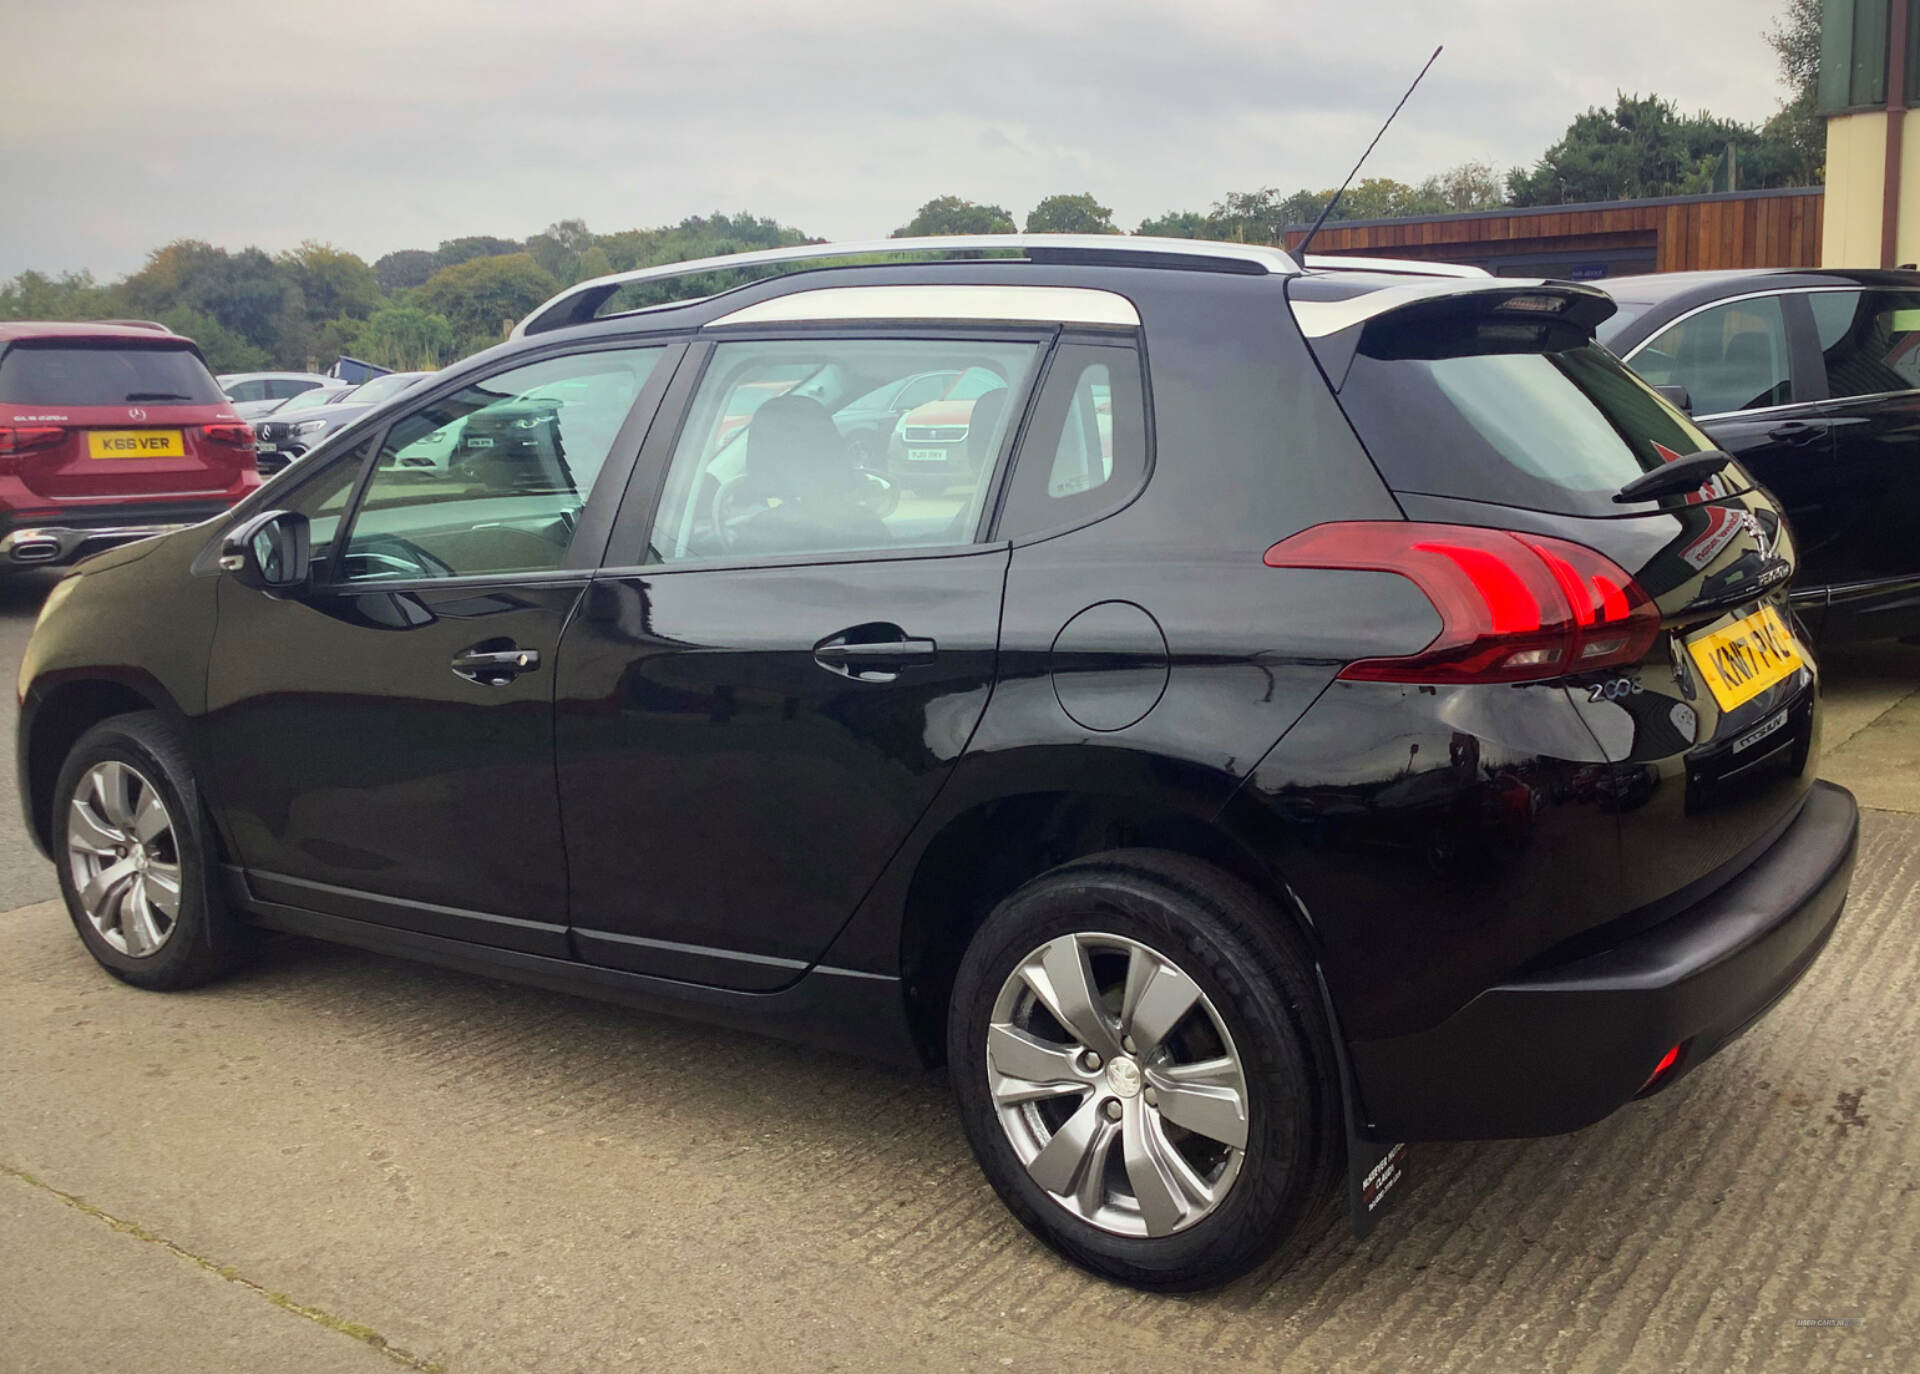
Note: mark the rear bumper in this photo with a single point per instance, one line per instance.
(50, 546)
(1565, 1046)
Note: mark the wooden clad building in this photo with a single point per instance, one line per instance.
(1607, 239)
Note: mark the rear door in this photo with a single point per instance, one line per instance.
(138, 420)
(785, 656)
(1859, 521)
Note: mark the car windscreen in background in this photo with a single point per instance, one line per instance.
(90, 374)
(1514, 415)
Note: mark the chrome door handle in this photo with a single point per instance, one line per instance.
(495, 667)
(873, 660)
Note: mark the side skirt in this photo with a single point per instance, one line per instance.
(842, 1010)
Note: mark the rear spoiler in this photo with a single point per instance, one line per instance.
(1570, 302)
(1439, 316)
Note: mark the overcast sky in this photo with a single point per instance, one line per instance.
(127, 123)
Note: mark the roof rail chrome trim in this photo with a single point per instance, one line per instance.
(579, 303)
(1318, 319)
(1411, 267)
(1040, 304)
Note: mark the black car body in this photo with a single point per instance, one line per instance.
(1812, 378)
(1337, 618)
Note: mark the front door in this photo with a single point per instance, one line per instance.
(788, 653)
(382, 745)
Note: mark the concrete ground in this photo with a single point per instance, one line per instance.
(342, 1162)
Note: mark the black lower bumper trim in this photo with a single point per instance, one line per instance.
(1565, 1046)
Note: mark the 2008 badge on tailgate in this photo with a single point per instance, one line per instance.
(1742, 660)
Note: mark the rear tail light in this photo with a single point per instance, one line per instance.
(19, 440)
(234, 436)
(1513, 607)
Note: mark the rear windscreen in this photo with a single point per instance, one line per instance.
(1514, 417)
(90, 374)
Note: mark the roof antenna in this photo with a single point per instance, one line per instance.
(1301, 251)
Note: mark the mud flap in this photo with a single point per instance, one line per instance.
(1373, 1169)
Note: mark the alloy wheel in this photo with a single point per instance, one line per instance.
(1117, 1084)
(124, 857)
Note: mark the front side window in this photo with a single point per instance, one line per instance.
(491, 479)
(254, 390)
(1869, 340)
(785, 452)
(1731, 357)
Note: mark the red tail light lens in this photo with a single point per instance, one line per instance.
(1513, 607)
(19, 440)
(234, 436)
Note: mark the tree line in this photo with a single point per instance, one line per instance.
(420, 308)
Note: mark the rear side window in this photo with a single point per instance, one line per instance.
(92, 374)
(1510, 419)
(1869, 340)
(1732, 357)
(1086, 451)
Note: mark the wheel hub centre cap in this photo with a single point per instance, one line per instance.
(1123, 1076)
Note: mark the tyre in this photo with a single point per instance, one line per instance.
(136, 858)
(1144, 1069)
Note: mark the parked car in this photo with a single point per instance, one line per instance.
(1364, 735)
(255, 393)
(1812, 379)
(927, 450)
(109, 432)
(285, 436)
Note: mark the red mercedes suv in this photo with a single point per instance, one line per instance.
(110, 431)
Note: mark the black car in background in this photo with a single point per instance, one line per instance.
(1812, 379)
(284, 435)
(1322, 718)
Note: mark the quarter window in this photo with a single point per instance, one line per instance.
(1869, 340)
(786, 451)
(1731, 357)
(492, 478)
(1086, 451)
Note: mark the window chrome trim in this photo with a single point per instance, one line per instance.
(1023, 304)
(1716, 303)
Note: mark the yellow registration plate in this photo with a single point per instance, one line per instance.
(135, 443)
(1745, 658)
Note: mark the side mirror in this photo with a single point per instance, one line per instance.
(270, 553)
(1677, 397)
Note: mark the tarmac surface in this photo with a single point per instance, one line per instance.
(336, 1161)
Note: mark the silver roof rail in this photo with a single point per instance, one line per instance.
(1398, 267)
(580, 303)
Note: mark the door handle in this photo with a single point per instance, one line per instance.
(876, 656)
(494, 667)
(1794, 432)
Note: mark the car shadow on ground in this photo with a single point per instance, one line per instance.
(1456, 1199)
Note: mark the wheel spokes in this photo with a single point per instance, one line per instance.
(1026, 1067)
(1063, 980)
(104, 885)
(150, 819)
(160, 885)
(113, 785)
(1158, 997)
(137, 926)
(86, 831)
(1069, 1159)
(1206, 1098)
(1164, 1184)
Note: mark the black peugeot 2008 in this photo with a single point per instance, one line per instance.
(1342, 708)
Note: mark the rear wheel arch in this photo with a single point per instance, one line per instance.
(984, 854)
